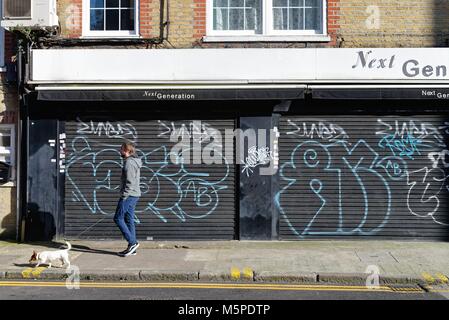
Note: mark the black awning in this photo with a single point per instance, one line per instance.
(380, 93)
(172, 94)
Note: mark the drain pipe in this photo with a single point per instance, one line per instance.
(21, 192)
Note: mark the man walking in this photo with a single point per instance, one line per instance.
(129, 195)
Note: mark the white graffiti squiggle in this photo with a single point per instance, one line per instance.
(436, 157)
(110, 130)
(318, 130)
(428, 135)
(428, 185)
(257, 157)
(194, 131)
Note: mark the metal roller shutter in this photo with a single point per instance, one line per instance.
(379, 177)
(179, 201)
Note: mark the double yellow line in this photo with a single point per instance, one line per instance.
(229, 286)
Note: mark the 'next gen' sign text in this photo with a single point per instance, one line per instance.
(411, 68)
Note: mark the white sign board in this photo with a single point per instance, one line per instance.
(170, 65)
(239, 65)
(383, 64)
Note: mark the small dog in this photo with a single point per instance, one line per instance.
(49, 256)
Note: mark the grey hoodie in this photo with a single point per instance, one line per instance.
(130, 179)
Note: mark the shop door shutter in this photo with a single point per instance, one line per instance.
(361, 176)
(179, 201)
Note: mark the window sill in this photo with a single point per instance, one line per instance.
(110, 37)
(10, 184)
(277, 38)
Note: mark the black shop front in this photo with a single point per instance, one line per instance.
(358, 166)
(73, 163)
(322, 156)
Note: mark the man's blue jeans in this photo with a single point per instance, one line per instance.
(124, 218)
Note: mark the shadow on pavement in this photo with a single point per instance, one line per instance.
(75, 248)
(24, 265)
(78, 248)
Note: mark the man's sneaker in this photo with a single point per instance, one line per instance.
(122, 254)
(131, 249)
(124, 251)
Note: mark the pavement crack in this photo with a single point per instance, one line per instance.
(393, 257)
(424, 287)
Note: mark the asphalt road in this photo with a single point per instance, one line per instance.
(40, 290)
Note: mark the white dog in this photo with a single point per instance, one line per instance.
(49, 256)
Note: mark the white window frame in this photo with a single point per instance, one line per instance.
(12, 154)
(210, 24)
(268, 32)
(272, 31)
(87, 33)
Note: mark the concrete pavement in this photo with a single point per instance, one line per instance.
(397, 262)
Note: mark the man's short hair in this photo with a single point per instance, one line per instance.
(129, 146)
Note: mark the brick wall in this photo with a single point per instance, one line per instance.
(183, 16)
(10, 46)
(149, 18)
(8, 93)
(70, 17)
(333, 21)
(199, 25)
(402, 23)
(187, 22)
(8, 115)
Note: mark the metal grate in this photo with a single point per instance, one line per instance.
(383, 177)
(16, 9)
(179, 202)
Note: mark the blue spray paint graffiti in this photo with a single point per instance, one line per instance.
(396, 168)
(194, 191)
(353, 194)
(312, 154)
(406, 147)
